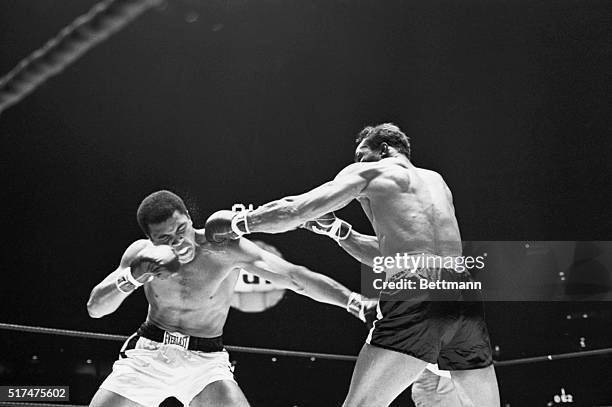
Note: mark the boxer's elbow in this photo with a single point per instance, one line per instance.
(309, 206)
(299, 277)
(94, 314)
(281, 215)
(98, 311)
(94, 311)
(288, 209)
(299, 209)
(95, 307)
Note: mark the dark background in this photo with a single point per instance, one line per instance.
(509, 100)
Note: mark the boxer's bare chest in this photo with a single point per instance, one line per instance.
(205, 282)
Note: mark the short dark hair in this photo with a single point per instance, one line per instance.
(158, 207)
(385, 133)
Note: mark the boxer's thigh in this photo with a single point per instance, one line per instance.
(222, 393)
(470, 347)
(380, 376)
(140, 377)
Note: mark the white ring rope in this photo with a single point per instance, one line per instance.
(100, 22)
(289, 353)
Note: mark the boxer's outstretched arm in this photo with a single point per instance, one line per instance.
(105, 298)
(296, 278)
(290, 212)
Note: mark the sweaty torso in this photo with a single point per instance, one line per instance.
(197, 299)
(411, 210)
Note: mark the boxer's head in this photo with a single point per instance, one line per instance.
(382, 141)
(163, 217)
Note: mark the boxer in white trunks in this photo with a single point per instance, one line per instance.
(189, 284)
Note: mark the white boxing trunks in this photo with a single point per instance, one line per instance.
(150, 372)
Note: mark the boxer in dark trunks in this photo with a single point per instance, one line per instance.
(411, 211)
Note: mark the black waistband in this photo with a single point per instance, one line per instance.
(154, 333)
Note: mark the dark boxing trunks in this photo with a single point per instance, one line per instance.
(443, 326)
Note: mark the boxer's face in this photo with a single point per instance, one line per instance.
(176, 231)
(363, 153)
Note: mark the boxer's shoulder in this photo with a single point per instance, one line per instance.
(428, 173)
(136, 247)
(228, 247)
(200, 237)
(405, 173)
(140, 244)
(391, 171)
(243, 251)
(242, 247)
(366, 170)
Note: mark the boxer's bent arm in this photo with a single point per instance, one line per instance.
(296, 278)
(290, 212)
(362, 247)
(105, 298)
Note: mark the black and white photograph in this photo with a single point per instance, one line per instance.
(306, 203)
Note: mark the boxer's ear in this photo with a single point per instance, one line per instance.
(384, 150)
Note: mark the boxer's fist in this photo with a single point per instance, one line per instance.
(218, 227)
(158, 261)
(329, 225)
(363, 308)
(322, 224)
